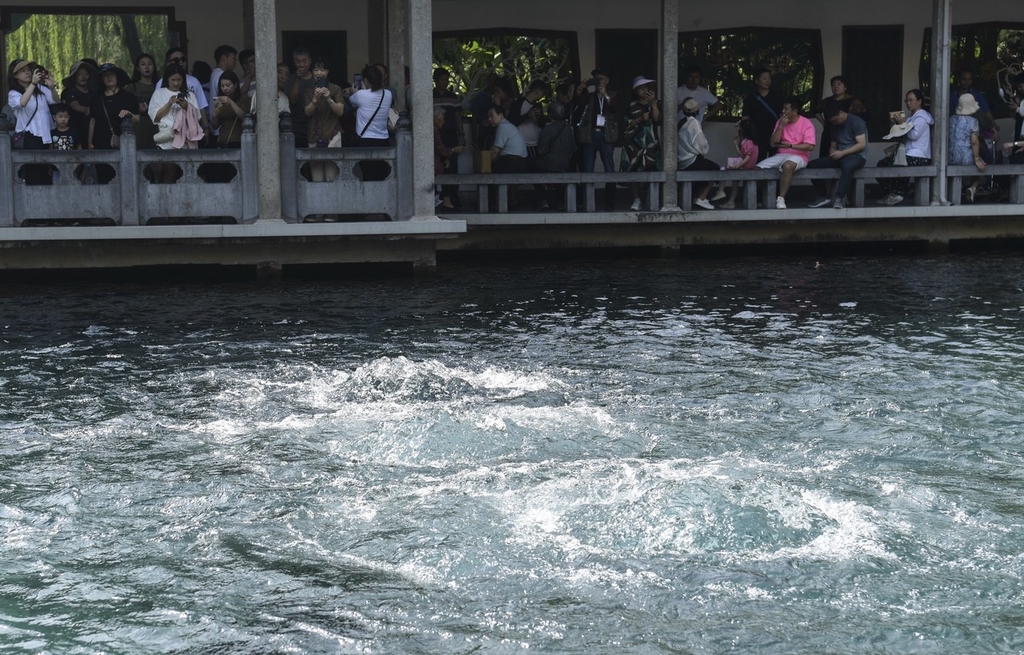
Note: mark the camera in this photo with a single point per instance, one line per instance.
(592, 84)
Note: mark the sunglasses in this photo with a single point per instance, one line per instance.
(178, 60)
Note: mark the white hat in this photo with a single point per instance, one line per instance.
(899, 130)
(967, 105)
(640, 80)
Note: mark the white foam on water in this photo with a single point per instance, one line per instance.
(854, 532)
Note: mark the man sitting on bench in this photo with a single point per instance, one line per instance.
(848, 152)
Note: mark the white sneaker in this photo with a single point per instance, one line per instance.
(719, 194)
(635, 206)
(701, 202)
(819, 202)
(780, 203)
(894, 199)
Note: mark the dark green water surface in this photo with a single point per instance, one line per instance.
(742, 456)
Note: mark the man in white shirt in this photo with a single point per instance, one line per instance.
(706, 100)
(226, 57)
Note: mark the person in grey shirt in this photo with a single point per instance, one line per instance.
(848, 152)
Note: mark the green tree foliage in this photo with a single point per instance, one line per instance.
(518, 57)
(729, 59)
(58, 40)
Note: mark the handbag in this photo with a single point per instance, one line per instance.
(898, 153)
(165, 134)
(18, 138)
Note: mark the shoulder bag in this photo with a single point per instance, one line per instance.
(18, 138)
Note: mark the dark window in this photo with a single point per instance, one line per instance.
(873, 69)
(330, 44)
(993, 51)
(728, 59)
(625, 54)
(520, 54)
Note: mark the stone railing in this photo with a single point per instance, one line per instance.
(133, 197)
(350, 192)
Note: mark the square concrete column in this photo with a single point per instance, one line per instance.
(942, 36)
(669, 83)
(398, 44)
(268, 148)
(421, 58)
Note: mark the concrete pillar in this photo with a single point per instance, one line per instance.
(669, 83)
(421, 57)
(249, 172)
(289, 178)
(129, 175)
(268, 148)
(403, 167)
(398, 42)
(6, 175)
(377, 31)
(942, 35)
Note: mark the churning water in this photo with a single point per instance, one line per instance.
(614, 457)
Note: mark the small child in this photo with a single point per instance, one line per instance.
(746, 147)
(63, 136)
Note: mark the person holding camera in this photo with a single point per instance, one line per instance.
(597, 130)
(641, 150)
(324, 105)
(30, 96)
(174, 109)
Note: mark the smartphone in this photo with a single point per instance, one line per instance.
(893, 115)
(321, 82)
(357, 80)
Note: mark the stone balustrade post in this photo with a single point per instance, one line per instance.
(129, 174)
(249, 172)
(289, 172)
(6, 175)
(403, 167)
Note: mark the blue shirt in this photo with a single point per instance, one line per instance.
(954, 99)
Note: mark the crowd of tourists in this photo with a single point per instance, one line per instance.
(173, 106)
(588, 120)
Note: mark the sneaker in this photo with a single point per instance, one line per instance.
(780, 203)
(894, 199)
(701, 202)
(719, 194)
(635, 206)
(819, 202)
(728, 204)
(838, 204)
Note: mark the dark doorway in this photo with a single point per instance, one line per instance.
(626, 54)
(873, 68)
(331, 44)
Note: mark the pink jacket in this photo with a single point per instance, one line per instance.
(187, 131)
